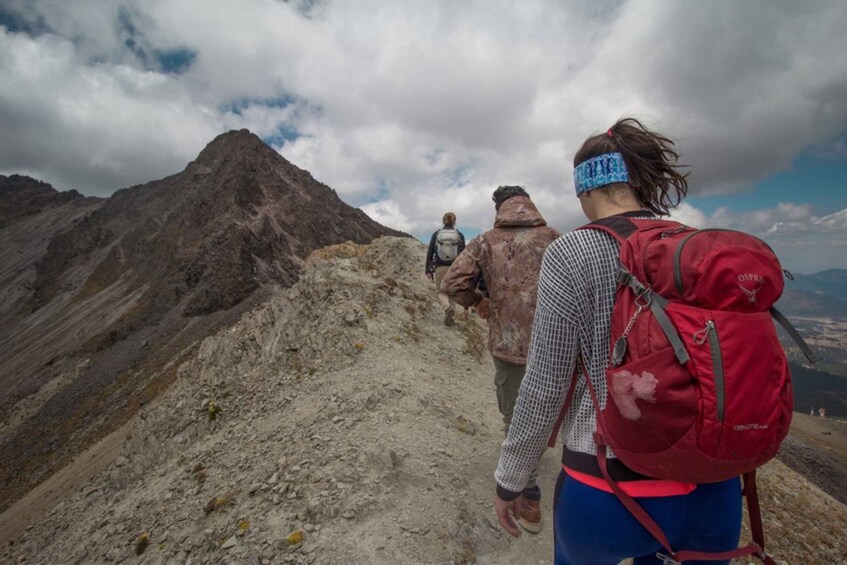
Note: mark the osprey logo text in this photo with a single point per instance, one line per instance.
(749, 427)
(758, 280)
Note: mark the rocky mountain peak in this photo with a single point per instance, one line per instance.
(105, 294)
(238, 149)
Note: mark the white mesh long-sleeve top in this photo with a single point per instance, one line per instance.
(576, 294)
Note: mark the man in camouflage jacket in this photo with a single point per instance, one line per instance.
(508, 258)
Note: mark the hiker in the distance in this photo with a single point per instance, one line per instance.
(445, 245)
(508, 258)
(576, 293)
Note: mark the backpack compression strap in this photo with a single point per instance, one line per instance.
(795, 335)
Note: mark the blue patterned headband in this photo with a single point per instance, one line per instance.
(599, 171)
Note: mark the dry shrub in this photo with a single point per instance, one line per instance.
(220, 502)
(346, 250)
(200, 473)
(475, 340)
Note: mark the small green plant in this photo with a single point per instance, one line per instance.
(214, 410)
(141, 543)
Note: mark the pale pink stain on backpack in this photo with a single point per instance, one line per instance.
(626, 388)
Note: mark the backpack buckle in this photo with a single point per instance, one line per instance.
(667, 559)
(643, 299)
(623, 277)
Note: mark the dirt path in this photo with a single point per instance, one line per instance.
(43, 498)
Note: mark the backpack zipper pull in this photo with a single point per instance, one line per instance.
(667, 234)
(701, 336)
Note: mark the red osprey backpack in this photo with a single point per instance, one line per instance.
(698, 384)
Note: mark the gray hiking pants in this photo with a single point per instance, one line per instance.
(507, 380)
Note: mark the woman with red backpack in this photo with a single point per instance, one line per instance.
(626, 172)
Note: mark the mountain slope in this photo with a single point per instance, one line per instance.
(345, 410)
(832, 282)
(113, 292)
(812, 305)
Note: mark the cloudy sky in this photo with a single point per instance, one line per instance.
(410, 109)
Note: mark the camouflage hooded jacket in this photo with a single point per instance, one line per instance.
(509, 259)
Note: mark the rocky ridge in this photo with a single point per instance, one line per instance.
(103, 298)
(340, 422)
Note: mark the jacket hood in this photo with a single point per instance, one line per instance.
(518, 211)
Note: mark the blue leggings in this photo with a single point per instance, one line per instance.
(593, 528)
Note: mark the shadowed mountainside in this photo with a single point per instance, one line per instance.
(101, 297)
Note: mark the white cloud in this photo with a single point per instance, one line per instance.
(389, 214)
(804, 242)
(833, 223)
(689, 215)
(413, 109)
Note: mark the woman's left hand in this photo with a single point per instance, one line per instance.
(506, 510)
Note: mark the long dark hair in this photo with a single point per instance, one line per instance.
(651, 162)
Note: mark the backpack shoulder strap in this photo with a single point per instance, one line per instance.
(619, 227)
(554, 435)
(622, 227)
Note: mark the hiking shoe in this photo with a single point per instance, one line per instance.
(529, 515)
(448, 316)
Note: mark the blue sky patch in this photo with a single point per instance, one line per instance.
(128, 31)
(17, 23)
(459, 176)
(175, 61)
(283, 134)
(170, 61)
(812, 180)
(236, 106)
